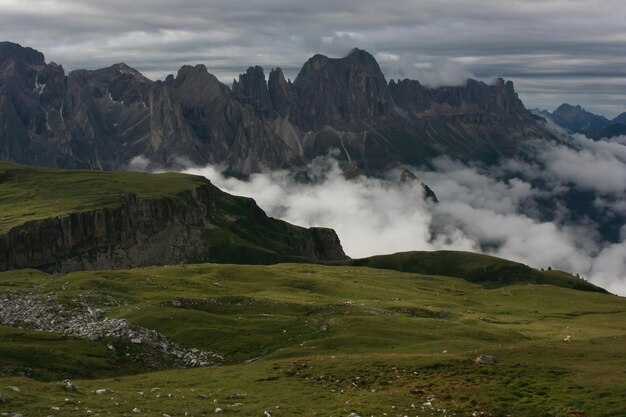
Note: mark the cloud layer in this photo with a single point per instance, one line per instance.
(562, 50)
(496, 211)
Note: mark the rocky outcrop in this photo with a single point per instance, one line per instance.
(408, 178)
(252, 89)
(201, 225)
(105, 118)
(281, 92)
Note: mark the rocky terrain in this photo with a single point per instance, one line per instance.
(85, 322)
(104, 118)
(93, 223)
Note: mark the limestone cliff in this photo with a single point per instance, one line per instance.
(203, 224)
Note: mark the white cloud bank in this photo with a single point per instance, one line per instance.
(478, 210)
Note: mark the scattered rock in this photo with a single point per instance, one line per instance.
(96, 313)
(266, 414)
(69, 386)
(31, 311)
(3, 399)
(219, 410)
(567, 338)
(486, 360)
(12, 388)
(353, 415)
(136, 410)
(103, 391)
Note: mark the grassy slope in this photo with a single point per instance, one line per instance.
(328, 341)
(28, 193)
(243, 233)
(484, 269)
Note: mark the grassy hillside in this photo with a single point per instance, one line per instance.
(312, 340)
(182, 215)
(489, 271)
(32, 193)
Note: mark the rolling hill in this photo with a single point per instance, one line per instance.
(302, 339)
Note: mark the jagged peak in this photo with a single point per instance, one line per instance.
(360, 54)
(277, 74)
(357, 59)
(188, 70)
(18, 52)
(122, 66)
(568, 107)
(253, 72)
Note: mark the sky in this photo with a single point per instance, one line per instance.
(555, 51)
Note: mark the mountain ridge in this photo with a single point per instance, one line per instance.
(577, 119)
(104, 118)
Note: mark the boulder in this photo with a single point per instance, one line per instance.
(486, 360)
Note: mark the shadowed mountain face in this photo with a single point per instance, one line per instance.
(104, 118)
(578, 120)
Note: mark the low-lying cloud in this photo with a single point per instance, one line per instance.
(495, 211)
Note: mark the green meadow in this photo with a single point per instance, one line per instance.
(316, 340)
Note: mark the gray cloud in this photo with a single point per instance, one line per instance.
(559, 50)
(492, 211)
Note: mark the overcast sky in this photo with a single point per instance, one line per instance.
(554, 50)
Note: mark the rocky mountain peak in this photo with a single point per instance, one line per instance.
(577, 119)
(252, 89)
(281, 91)
(122, 68)
(408, 178)
(339, 91)
(197, 84)
(363, 58)
(16, 52)
(621, 118)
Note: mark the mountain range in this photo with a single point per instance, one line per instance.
(578, 120)
(105, 118)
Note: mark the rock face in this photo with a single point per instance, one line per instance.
(104, 118)
(344, 93)
(200, 225)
